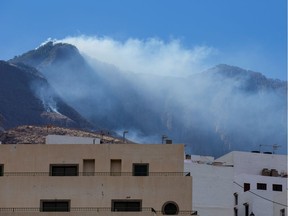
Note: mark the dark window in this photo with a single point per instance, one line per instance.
(246, 187)
(170, 208)
(246, 209)
(235, 199)
(261, 186)
(282, 212)
(126, 205)
(1, 169)
(140, 169)
(63, 170)
(277, 187)
(235, 212)
(55, 206)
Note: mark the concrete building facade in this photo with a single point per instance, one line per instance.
(87, 179)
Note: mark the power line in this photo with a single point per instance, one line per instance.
(261, 196)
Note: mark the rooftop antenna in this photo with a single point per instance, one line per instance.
(124, 132)
(274, 147)
(164, 137)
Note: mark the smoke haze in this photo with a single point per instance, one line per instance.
(153, 88)
(152, 56)
(228, 108)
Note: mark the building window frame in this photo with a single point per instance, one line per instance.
(277, 187)
(246, 187)
(140, 169)
(64, 170)
(235, 199)
(235, 211)
(170, 208)
(282, 212)
(1, 169)
(55, 205)
(125, 205)
(246, 209)
(261, 186)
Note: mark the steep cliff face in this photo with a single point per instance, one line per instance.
(21, 104)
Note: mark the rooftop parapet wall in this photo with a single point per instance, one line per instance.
(38, 157)
(60, 139)
(254, 163)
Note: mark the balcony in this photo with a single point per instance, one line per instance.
(89, 211)
(97, 174)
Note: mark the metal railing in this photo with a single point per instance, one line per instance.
(90, 209)
(72, 209)
(96, 174)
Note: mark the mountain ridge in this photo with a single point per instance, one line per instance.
(237, 72)
(222, 109)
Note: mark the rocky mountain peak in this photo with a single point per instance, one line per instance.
(251, 80)
(48, 54)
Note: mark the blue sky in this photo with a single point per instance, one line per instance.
(247, 33)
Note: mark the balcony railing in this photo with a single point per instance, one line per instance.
(96, 174)
(86, 211)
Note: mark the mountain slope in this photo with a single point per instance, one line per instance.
(20, 104)
(225, 108)
(31, 134)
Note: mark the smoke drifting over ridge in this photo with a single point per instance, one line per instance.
(152, 56)
(153, 88)
(214, 107)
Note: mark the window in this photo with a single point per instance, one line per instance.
(55, 205)
(1, 169)
(246, 187)
(170, 208)
(282, 212)
(140, 169)
(235, 212)
(261, 186)
(64, 170)
(115, 167)
(235, 199)
(246, 209)
(277, 187)
(88, 167)
(126, 205)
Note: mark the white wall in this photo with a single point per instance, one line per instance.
(260, 201)
(281, 198)
(253, 163)
(215, 182)
(212, 186)
(248, 169)
(60, 139)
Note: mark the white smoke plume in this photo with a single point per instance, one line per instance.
(145, 85)
(46, 96)
(153, 56)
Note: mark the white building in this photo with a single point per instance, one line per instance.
(212, 186)
(239, 183)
